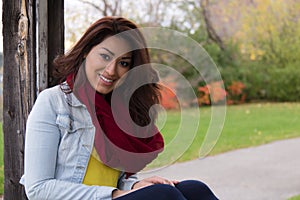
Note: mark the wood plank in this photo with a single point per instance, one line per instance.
(42, 40)
(55, 34)
(18, 88)
(20, 85)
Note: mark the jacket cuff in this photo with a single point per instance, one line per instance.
(105, 193)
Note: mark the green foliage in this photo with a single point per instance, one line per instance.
(266, 59)
(255, 77)
(271, 32)
(283, 84)
(265, 82)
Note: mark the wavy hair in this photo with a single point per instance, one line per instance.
(144, 96)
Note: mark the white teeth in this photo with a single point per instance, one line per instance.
(105, 79)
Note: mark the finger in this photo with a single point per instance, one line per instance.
(171, 183)
(168, 182)
(159, 180)
(141, 184)
(156, 179)
(175, 181)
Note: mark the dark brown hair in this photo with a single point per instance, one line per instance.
(143, 97)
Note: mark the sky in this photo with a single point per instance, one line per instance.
(73, 6)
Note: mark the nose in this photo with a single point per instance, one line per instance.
(110, 69)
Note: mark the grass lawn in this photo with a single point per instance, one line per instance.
(245, 125)
(295, 198)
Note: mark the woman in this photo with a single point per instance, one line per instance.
(87, 137)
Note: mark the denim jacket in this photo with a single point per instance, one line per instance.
(58, 144)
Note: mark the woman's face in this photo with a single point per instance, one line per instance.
(107, 62)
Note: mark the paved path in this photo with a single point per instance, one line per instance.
(268, 172)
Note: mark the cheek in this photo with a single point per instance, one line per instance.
(88, 70)
(94, 66)
(123, 71)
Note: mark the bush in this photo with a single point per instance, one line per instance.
(235, 93)
(168, 97)
(271, 83)
(212, 93)
(284, 84)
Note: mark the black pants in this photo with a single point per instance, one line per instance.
(185, 190)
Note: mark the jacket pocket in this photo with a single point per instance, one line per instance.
(70, 131)
(67, 124)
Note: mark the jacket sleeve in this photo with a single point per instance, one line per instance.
(127, 183)
(41, 147)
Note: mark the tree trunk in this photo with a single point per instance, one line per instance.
(212, 34)
(18, 88)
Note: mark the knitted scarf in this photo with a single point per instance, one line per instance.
(116, 148)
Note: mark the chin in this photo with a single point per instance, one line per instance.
(103, 91)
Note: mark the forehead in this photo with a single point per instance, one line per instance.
(116, 45)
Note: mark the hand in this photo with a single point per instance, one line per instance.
(118, 193)
(153, 180)
(144, 183)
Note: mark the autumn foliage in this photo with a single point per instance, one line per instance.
(168, 97)
(236, 94)
(214, 93)
(211, 93)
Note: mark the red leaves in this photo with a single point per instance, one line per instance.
(211, 93)
(215, 93)
(168, 97)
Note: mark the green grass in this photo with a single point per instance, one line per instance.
(295, 198)
(245, 125)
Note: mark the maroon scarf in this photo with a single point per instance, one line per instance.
(115, 147)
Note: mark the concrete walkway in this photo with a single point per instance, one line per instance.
(268, 172)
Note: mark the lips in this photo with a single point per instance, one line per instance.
(106, 79)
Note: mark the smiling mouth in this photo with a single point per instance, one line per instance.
(106, 79)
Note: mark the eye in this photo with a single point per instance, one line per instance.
(105, 56)
(124, 63)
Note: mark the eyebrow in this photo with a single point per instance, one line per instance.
(108, 51)
(128, 57)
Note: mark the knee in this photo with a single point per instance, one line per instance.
(195, 188)
(167, 192)
(193, 184)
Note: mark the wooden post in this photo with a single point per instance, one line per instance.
(42, 48)
(56, 35)
(23, 78)
(50, 28)
(18, 88)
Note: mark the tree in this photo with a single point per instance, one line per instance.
(111, 8)
(271, 32)
(81, 13)
(211, 32)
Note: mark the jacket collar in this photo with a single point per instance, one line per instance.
(71, 99)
